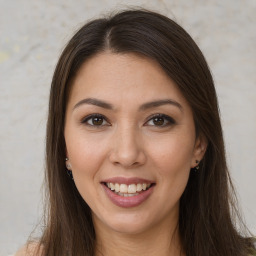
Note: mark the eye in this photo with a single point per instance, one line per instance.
(95, 120)
(160, 120)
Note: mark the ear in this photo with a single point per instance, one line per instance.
(199, 150)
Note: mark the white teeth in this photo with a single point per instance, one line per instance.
(132, 188)
(127, 190)
(123, 188)
(139, 187)
(111, 186)
(117, 187)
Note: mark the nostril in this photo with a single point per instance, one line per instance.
(127, 155)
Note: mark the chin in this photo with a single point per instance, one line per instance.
(128, 223)
(129, 228)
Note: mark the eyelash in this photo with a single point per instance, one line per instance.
(168, 121)
(90, 117)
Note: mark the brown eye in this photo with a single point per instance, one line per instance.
(159, 121)
(95, 120)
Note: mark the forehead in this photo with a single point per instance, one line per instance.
(123, 78)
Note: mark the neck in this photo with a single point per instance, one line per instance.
(157, 241)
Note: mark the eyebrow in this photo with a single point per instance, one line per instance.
(159, 103)
(95, 102)
(145, 106)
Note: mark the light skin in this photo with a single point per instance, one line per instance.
(144, 128)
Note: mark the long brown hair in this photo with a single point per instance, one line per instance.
(207, 207)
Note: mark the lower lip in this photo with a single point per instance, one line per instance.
(127, 202)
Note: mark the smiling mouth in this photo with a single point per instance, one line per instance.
(130, 190)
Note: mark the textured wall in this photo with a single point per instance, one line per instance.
(32, 34)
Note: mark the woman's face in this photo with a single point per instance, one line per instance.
(130, 139)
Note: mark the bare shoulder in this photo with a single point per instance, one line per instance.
(31, 249)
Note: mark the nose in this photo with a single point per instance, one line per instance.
(127, 148)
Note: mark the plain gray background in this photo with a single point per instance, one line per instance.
(32, 35)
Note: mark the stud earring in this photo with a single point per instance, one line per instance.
(196, 168)
(68, 169)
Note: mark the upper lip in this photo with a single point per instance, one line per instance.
(127, 181)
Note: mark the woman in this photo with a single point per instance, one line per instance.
(135, 154)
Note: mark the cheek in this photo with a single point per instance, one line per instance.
(173, 151)
(86, 158)
(85, 152)
(172, 160)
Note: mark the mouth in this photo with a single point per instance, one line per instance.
(128, 190)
